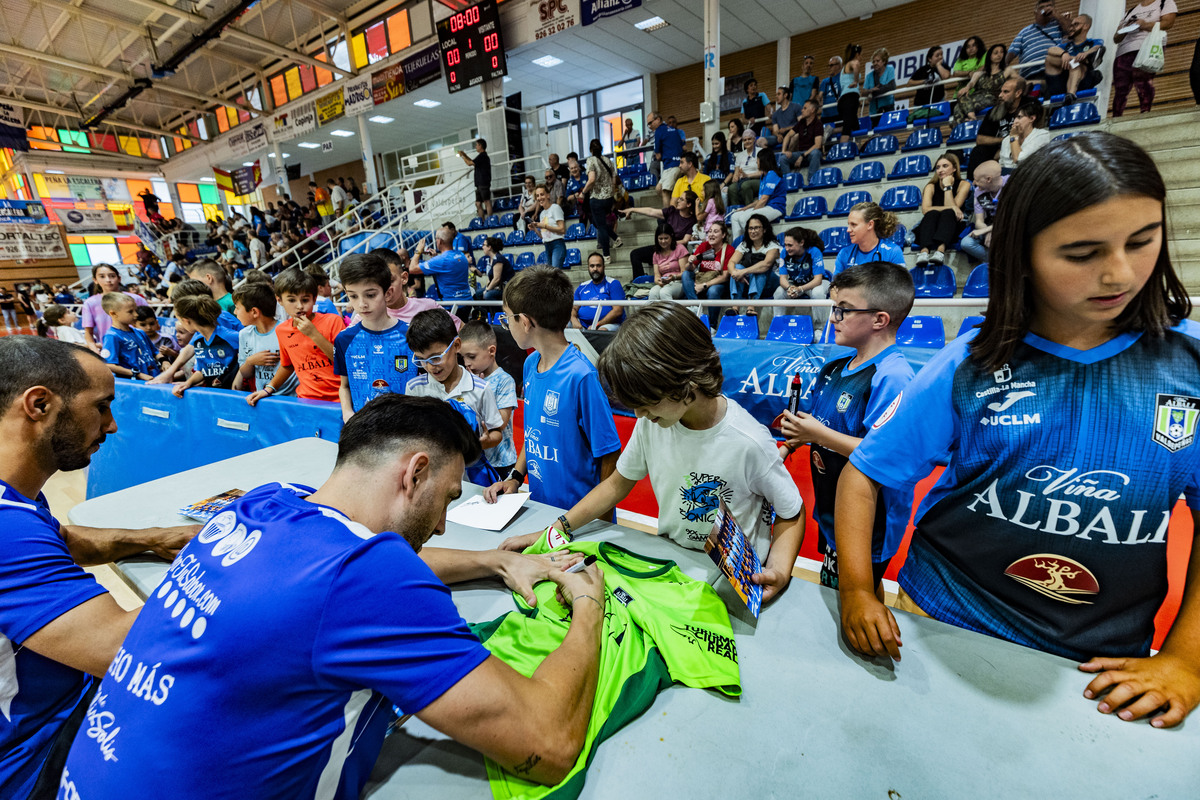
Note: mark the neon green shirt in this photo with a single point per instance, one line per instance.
(660, 626)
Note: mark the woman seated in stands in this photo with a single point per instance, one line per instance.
(1027, 135)
(942, 203)
(850, 82)
(878, 85)
(736, 129)
(983, 89)
(719, 164)
(527, 209)
(970, 59)
(752, 270)
(929, 76)
(497, 272)
(670, 261)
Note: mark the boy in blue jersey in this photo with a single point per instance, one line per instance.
(258, 346)
(215, 347)
(126, 348)
(571, 440)
(849, 395)
(372, 357)
(324, 304)
(479, 356)
(227, 321)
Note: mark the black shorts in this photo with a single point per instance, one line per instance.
(483, 194)
(829, 564)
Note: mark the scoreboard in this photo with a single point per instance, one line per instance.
(472, 51)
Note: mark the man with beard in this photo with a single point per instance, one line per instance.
(58, 626)
(600, 287)
(297, 619)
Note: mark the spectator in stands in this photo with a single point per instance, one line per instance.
(8, 306)
(742, 184)
(831, 90)
(500, 270)
(61, 320)
(1131, 32)
(708, 278)
(95, 321)
(214, 276)
(651, 158)
(804, 85)
(736, 131)
(400, 305)
(802, 146)
(1028, 134)
(869, 228)
(849, 78)
(942, 202)
(555, 188)
(321, 203)
(551, 225)
(574, 202)
(802, 270)
(988, 183)
(1035, 40)
(257, 309)
(970, 59)
(353, 189)
(126, 349)
(450, 268)
(670, 261)
(1071, 65)
(755, 107)
(325, 304)
(258, 253)
(339, 200)
(691, 179)
(527, 208)
(929, 76)
(752, 269)
(878, 85)
(984, 87)
(482, 163)
(601, 183)
(783, 117)
(709, 208)
(718, 165)
(771, 202)
(559, 169)
(996, 126)
(668, 148)
(630, 139)
(680, 214)
(600, 287)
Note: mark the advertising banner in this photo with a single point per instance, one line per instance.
(88, 220)
(594, 10)
(422, 68)
(31, 243)
(22, 211)
(387, 84)
(330, 107)
(358, 96)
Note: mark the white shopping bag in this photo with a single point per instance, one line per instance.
(1150, 57)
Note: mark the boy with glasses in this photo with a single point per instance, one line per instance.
(852, 394)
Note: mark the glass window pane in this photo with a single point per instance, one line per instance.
(79, 254)
(222, 120)
(193, 213)
(293, 82)
(208, 194)
(562, 111)
(341, 55)
(279, 91)
(358, 49)
(377, 46)
(188, 192)
(324, 76)
(307, 81)
(104, 253)
(620, 96)
(159, 186)
(399, 36)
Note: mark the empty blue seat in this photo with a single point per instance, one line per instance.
(740, 326)
(847, 201)
(901, 198)
(1074, 116)
(899, 236)
(833, 240)
(826, 177)
(923, 139)
(644, 279)
(492, 221)
(533, 237)
(507, 219)
(793, 182)
(811, 207)
(574, 258)
(574, 232)
(791, 328)
(737, 240)
(1061, 98)
(937, 114)
(881, 146)
(515, 238)
(524, 260)
(934, 280)
(704, 319)
(542, 259)
(917, 166)
(866, 172)
(590, 232)
(478, 241)
(1067, 135)
(842, 151)
(864, 127)
(965, 131)
(893, 121)
(922, 331)
(968, 323)
(475, 224)
(977, 282)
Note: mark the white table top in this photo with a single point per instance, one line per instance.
(962, 715)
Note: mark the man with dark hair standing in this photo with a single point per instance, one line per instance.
(300, 680)
(58, 626)
(482, 163)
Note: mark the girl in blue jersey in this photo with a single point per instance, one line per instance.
(1069, 420)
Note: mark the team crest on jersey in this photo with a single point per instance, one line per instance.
(844, 401)
(1003, 375)
(623, 596)
(1057, 577)
(1175, 419)
(551, 404)
(401, 363)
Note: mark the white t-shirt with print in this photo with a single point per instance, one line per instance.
(551, 216)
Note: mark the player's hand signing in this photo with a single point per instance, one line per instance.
(167, 542)
(521, 543)
(1164, 686)
(520, 572)
(869, 626)
(500, 487)
(584, 587)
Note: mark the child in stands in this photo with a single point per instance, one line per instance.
(479, 356)
(324, 289)
(255, 305)
(400, 304)
(126, 348)
(1067, 423)
(61, 320)
(850, 395)
(216, 347)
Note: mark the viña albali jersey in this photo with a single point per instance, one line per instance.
(1049, 526)
(374, 362)
(660, 626)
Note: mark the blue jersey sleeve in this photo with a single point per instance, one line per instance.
(892, 375)
(340, 344)
(111, 349)
(766, 187)
(818, 261)
(842, 260)
(595, 417)
(505, 389)
(411, 658)
(915, 430)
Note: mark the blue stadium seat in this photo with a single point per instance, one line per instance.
(475, 224)
(938, 113)
(740, 326)
(901, 198)
(965, 158)
(793, 181)
(922, 331)
(574, 257)
(524, 260)
(923, 139)
(934, 280)
(834, 239)
(791, 328)
(864, 127)
(965, 131)
(899, 236)
(842, 151)
(590, 232)
(826, 177)
(574, 232)
(917, 166)
(484, 263)
(866, 172)
(353, 243)
(478, 241)
(704, 319)
(1074, 116)
(737, 240)
(1059, 99)
(542, 259)
(811, 207)
(847, 201)
(492, 221)
(1067, 135)
(893, 121)
(644, 279)
(779, 237)
(647, 181)
(515, 238)
(533, 237)
(881, 146)
(968, 323)
(507, 219)
(977, 282)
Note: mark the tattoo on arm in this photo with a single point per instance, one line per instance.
(526, 766)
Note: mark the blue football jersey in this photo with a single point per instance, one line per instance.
(217, 356)
(259, 666)
(1049, 525)
(130, 349)
(374, 362)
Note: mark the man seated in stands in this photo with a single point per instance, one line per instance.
(554, 186)
(743, 182)
(988, 183)
(690, 177)
(804, 85)
(997, 124)
(558, 167)
(1071, 65)
(600, 287)
(785, 116)
(802, 144)
(1035, 40)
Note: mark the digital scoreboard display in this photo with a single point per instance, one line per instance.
(471, 48)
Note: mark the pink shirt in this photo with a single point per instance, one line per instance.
(669, 264)
(414, 306)
(97, 318)
(711, 215)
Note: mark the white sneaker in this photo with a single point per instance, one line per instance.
(938, 257)
(922, 259)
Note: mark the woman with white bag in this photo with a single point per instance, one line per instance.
(1138, 31)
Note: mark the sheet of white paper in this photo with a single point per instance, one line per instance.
(1128, 28)
(478, 513)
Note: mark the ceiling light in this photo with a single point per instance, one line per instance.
(427, 103)
(508, 79)
(287, 155)
(340, 132)
(309, 145)
(547, 61)
(208, 180)
(247, 163)
(652, 24)
(381, 119)
(55, 172)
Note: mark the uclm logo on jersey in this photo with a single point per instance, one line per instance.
(1057, 577)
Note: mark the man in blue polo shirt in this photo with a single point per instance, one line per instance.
(668, 148)
(450, 269)
(600, 287)
(1035, 40)
(58, 626)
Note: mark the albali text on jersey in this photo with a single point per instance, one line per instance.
(1049, 525)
